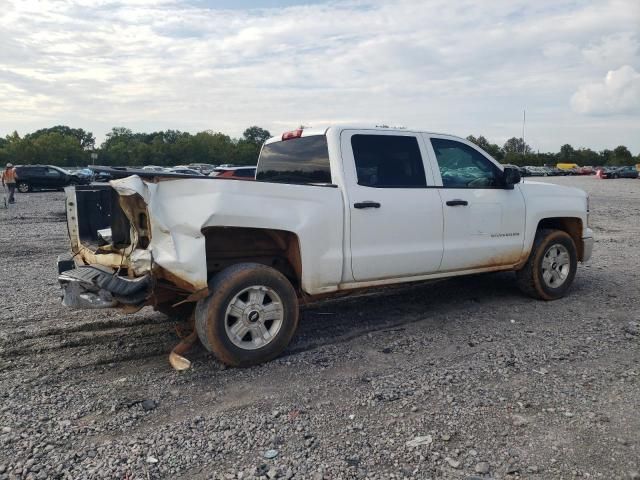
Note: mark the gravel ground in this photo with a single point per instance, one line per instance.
(460, 379)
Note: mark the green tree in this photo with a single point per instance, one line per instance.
(86, 139)
(605, 156)
(248, 147)
(516, 145)
(586, 156)
(57, 149)
(211, 147)
(117, 148)
(491, 148)
(621, 156)
(514, 158)
(567, 154)
(256, 135)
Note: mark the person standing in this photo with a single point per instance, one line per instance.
(9, 180)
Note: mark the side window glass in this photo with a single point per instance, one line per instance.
(245, 172)
(388, 161)
(52, 172)
(464, 167)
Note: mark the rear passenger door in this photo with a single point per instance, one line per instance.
(36, 176)
(483, 221)
(395, 218)
(54, 178)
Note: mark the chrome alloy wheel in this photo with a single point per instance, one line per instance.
(556, 265)
(254, 317)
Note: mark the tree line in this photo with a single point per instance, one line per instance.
(516, 152)
(72, 147)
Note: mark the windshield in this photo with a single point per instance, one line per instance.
(299, 160)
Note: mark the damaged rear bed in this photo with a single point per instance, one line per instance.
(110, 264)
(159, 242)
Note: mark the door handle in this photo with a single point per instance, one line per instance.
(457, 203)
(366, 205)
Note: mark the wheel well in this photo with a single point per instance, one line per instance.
(279, 249)
(573, 226)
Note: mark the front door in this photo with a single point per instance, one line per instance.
(483, 221)
(395, 218)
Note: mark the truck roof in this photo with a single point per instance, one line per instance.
(307, 132)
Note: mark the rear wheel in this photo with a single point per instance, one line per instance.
(23, 187)
(551, 267)
(250, 315)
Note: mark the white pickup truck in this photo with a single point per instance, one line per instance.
(331, 210)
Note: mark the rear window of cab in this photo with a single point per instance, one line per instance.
(297, 160)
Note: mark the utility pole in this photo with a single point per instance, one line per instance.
(524, 120)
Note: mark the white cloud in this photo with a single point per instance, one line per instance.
(619, 93)
(618, 49)
(465, 67)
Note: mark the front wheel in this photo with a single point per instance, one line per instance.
(23, 187)
(250, 315)
(551, 267)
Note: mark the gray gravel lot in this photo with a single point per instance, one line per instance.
(460, 379)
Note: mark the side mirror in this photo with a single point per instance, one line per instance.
(511, 176)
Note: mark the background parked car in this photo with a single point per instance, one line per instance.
(556, 172)
(46, 177)
(185, 171)
(585, 170)
(239, 173)
(608, 172)
(203, 168)
(85, 172)
(536, 171)
(626, 172)
(102, 177)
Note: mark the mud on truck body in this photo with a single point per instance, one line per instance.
(334, 210)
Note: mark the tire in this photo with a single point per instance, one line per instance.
(23, 187)
(551, 267)
(266, 308)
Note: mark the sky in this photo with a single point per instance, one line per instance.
(454, 66)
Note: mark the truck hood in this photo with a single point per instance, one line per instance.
(550, 190)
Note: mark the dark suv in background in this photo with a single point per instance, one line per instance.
(46, 177)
